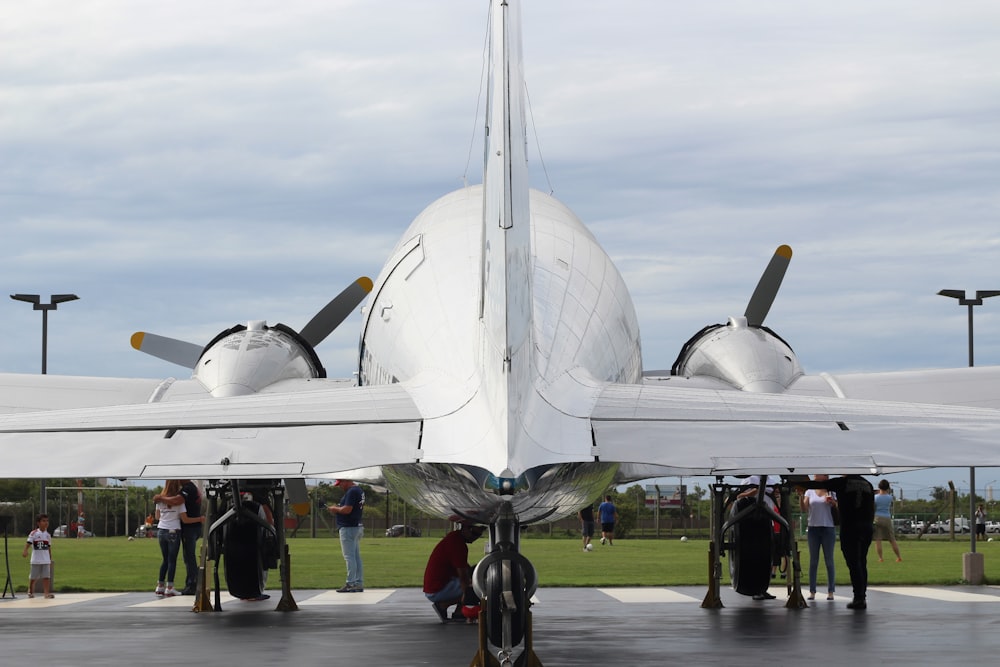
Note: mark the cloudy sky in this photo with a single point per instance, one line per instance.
(187, 166)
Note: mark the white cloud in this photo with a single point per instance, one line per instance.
(187, 166)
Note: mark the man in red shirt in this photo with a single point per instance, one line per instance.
(448, 574)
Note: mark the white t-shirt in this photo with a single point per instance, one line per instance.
(40, 541)
(820, 511)
(170, 516)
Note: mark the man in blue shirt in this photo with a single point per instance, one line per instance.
(351, 529)
(608, 514)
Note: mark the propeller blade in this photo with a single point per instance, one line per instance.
(175, 351)
(335, 312)
(297, 495)
(767, 288)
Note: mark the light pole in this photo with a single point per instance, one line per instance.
(964, 301)
(36, 301)
(54, 302)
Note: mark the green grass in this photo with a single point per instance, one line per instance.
(115, 564)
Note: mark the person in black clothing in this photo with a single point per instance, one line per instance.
(586, 524)
(856, 501)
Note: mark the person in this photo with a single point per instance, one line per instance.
(980, 523)
(80, 520)
(348, 513)
(448, 575)
(819, 504)
(608, 514)
(856, 502)
(586, 524)
(40, 544)
(170, 518)
(883, 520)
(190, 496)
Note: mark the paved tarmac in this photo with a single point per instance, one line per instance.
(573, 626)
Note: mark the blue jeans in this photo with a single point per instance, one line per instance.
(350, 545)
(451, 592)
(170, 545)
(826, 537)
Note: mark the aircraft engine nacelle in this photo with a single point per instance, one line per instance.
(245, 360)
(749, 358)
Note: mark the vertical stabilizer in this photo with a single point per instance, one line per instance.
(506, 270)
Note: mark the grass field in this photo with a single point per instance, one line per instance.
(115, 564)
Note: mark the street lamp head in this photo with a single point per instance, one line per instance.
(63, 298)
(28, 298)
(967, 301)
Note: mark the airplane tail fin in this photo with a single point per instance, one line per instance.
(506, 308)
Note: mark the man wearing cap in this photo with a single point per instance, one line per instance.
(351, 529)
(448, 574)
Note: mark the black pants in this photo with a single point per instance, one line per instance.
(190, 532)
(854, 543)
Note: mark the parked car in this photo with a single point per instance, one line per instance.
(64, 531)
(902, 526)
(944, 527)
(993, 526)
(399, 530)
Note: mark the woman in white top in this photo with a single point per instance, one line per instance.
(170, 518)
(820, 503)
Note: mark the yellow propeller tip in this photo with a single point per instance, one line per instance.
(301, 509)
(784, 251)
(136, 339)
(366, 283)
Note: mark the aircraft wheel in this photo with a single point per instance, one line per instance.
(245, 573)
(500, 577)
(750, 557)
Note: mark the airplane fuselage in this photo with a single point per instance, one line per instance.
(424, 328)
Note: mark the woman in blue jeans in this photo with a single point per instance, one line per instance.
(819, 504)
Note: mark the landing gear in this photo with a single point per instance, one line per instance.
(505, 581)
(247, 538)
(743, 528)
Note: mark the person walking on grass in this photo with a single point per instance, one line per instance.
(608, 514)
(883, 520)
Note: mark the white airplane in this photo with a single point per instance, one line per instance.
(500, 378)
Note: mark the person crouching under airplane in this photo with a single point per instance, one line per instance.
(448, 575)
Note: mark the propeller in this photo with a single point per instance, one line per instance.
(186, 354)
(335, 312)
(767, 289)
(175, 351)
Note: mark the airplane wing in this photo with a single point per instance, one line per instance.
(28, 393)
(297, 434)
(693, 431)
(971, 387)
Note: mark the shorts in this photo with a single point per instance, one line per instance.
(608, 527)
(40, 571)
(981, 529)
(588, 528)
(883, 528)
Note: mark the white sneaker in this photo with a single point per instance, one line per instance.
(602, 540)
(159, 589)
(170, 592)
